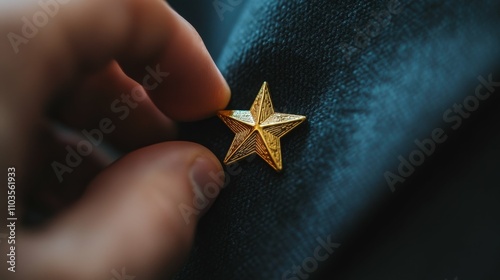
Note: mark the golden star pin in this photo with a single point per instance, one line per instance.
(259, 130)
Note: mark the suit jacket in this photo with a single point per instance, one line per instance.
(394, 174)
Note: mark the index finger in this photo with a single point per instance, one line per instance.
(152, 43)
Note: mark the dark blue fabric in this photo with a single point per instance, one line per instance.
(367, 98)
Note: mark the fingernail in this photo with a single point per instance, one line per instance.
(206, 181)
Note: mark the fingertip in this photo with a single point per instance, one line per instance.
(195, 88)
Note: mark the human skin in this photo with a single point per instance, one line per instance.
(93, 51)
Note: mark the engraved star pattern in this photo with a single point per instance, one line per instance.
(259, 130)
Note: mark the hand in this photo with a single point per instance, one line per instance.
(122, 71)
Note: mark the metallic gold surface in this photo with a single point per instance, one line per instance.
(259, 130)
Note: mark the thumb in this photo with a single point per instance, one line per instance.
(137, 218)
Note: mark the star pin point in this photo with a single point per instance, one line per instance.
(259, 130)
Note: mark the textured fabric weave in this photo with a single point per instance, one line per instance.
(372, 77)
